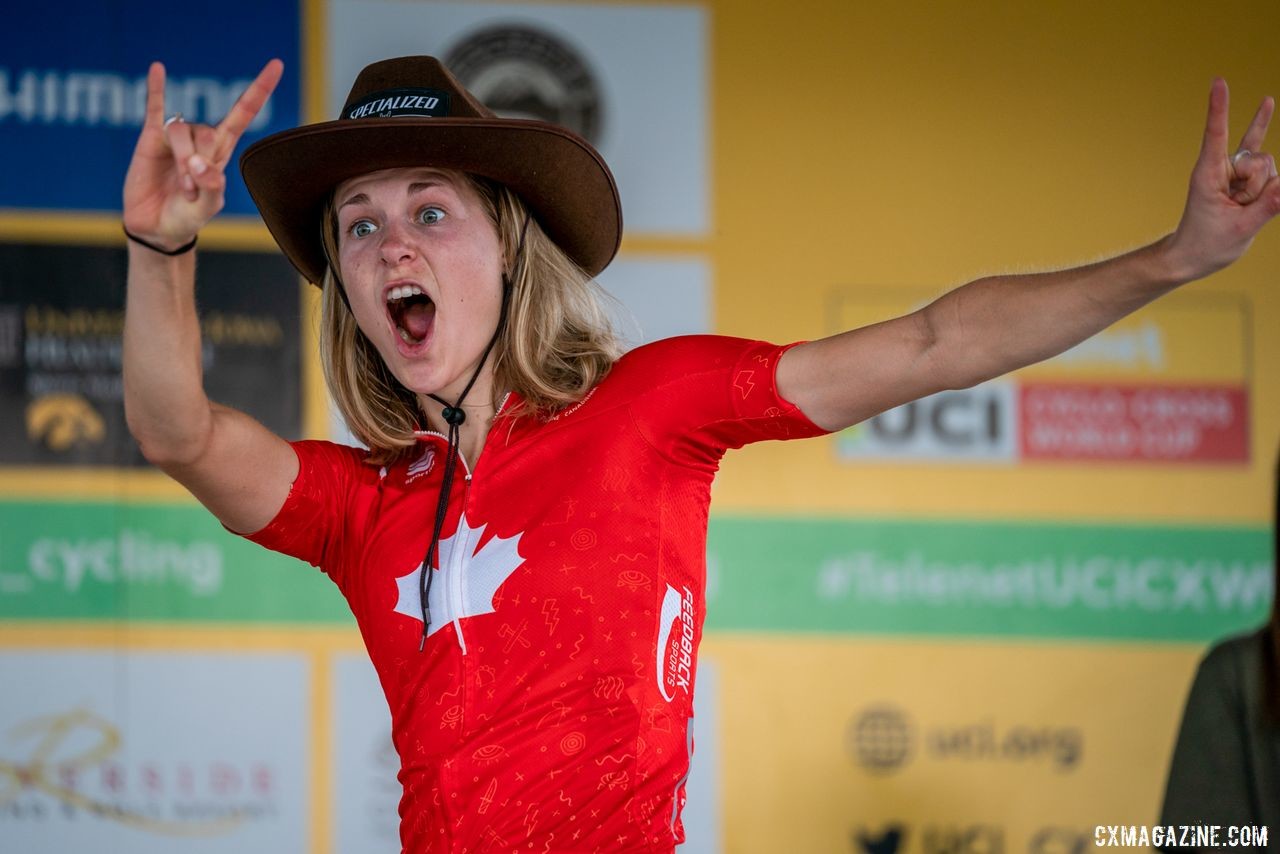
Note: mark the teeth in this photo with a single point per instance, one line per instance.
(403, 292)
(406, 337)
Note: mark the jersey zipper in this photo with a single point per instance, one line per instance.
(461, 545)
(462, 536)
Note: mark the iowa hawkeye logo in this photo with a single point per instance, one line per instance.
(675, 643)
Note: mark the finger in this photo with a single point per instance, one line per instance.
(155, 96)
(206, 140)
(1214, 148)
(178, 135)
(204, 171)
(246, 108)
(1253, 171)
(1266, 206)
(1257, 132)
(205, 176)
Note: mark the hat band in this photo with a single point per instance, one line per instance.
(392, 103)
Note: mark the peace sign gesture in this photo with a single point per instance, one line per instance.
(1232, 194)
(176, 180)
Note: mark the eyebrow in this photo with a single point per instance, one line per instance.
(357, 199)
(414, 188)
(418, 186)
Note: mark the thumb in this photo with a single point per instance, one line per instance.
(1262, 209)
(208, 177)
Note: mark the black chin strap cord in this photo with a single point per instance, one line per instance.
(454, 416)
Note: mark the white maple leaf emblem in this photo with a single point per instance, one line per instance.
(466, 581)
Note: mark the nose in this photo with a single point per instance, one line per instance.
(396, 247)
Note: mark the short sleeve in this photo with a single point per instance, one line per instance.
(313, 523)
(712, 393)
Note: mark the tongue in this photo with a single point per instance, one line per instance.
(416, 319)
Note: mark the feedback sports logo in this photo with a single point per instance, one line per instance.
(883, 738)
(70, 770)
(675, 643)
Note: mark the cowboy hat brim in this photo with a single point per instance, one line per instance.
(562, 179)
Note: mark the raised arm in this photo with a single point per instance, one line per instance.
(995, 325)
(236, 467)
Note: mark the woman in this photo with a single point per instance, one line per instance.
(1225, 768)
(523, 544)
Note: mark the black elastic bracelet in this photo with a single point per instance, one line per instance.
(184, 248)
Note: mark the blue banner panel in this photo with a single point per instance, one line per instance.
(73, 88)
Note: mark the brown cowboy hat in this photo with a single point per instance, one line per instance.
(411, 111)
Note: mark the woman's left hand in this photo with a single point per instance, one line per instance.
(1232, 194)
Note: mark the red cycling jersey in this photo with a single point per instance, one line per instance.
(550, 707)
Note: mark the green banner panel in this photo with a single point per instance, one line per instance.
(149, 562)
(1000, 579)
(987, 578)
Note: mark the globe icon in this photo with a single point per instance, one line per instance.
(880, 738)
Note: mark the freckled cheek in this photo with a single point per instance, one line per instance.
(353, 266)
(352, 254)
(356, 280)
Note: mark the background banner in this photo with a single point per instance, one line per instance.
(73, 89)
(1168, 385)
(994, 579)
(62, 315)
(938, 746)
(153, 753)
(966, 625)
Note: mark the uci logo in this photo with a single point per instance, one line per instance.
(975, 424)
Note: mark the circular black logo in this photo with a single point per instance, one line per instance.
(880, 738)
(523, 73)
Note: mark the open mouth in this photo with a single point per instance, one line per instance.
(411, 313)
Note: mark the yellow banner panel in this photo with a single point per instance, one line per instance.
(835, 745)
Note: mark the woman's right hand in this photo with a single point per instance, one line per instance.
(176, 181)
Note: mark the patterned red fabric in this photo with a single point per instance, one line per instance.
(550, 708)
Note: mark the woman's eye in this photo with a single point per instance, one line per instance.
(361, 228)
(430, 215)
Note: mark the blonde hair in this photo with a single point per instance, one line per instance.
(556, 344)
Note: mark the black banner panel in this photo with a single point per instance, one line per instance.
(61, 320)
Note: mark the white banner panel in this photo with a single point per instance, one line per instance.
(152, 753)
(702, 809)
(658, 297)
(632, 79)
(366, 793)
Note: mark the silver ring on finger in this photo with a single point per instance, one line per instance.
(177, 117)
(1244, 152)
